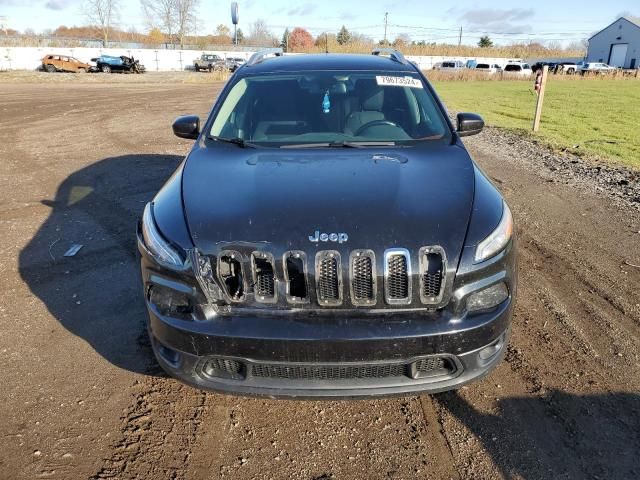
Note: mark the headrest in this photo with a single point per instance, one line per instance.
(373, 97)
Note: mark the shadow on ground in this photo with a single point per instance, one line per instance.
(557, 435)
(96, 293)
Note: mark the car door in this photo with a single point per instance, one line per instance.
(56, 62)
(65, 64)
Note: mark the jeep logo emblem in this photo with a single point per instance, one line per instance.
(328, 237)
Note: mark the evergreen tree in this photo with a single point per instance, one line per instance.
(284, 43)
(344, 36)
(485, 42)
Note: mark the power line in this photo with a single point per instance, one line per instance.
(417, 27)
(386, 17)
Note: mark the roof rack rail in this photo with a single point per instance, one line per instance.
(393, 54)
(262, 55)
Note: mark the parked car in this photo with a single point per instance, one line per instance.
(596, 67)
(452, 65)
(210, 62)
(233, 63)
(122, 64)
(568, 68)
(346, 253)
(489, 68)
(230, 64)
(63, 63)
(538, 66)
(239, 61)
(518, 68)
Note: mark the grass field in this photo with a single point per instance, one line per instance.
(593, 117)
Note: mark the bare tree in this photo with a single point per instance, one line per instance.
(176, 18)
(259, 34)
(186, 18)
(160, 15)
(102, 14)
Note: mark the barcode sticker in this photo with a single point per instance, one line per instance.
(398, 81)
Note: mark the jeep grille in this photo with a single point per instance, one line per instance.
(260, 277)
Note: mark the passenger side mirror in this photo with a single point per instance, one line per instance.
(187, 127)
(469, 124)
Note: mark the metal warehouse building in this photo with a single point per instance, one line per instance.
(618, 44)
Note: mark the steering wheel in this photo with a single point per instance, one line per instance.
(374, 123)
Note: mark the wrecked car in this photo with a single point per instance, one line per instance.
(122, 64)
(328, 235)
(64, 63)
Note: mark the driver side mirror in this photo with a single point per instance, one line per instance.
(469, 124)
(187, 126)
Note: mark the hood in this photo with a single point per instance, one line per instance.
(379, 198)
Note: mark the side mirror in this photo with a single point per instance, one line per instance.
(187, 127)
(469, 124)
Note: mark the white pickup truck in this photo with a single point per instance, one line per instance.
(208, 61)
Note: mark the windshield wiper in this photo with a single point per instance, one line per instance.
(236, 141)
(339, 145)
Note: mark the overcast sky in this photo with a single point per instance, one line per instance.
(563, 20)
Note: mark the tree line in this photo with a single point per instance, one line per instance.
(176, 24)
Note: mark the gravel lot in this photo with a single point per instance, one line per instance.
(82, 397)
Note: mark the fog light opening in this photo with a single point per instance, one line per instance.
(169, 355)
(224, 368)
(492, 350)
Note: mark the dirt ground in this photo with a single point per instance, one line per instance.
(82, 398)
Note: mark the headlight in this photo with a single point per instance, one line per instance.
(158, 246)
(498, 239)
(488, 298)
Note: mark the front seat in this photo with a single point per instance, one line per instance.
(371, 102)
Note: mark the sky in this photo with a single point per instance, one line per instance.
(503, 20)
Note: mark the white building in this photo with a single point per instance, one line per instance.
(618, 44)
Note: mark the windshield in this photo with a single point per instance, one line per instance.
(329, 106)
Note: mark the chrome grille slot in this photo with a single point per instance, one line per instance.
(432, 268)
(264, 281)
(328, 278)
(397, 275)
(295, 273)
(362, 272)
(230, 273)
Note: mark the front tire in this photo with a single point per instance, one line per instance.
(82, 70)
(50, 68)
(105, 69)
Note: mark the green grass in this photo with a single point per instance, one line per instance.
(600, 117)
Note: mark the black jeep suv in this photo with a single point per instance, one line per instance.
(328, 235)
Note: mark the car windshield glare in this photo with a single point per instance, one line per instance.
(330, 107)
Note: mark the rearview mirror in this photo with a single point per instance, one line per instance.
(469, 124)
(187, 127)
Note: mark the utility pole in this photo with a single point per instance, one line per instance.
(540, 85)
(460, 37)
(386, 16)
